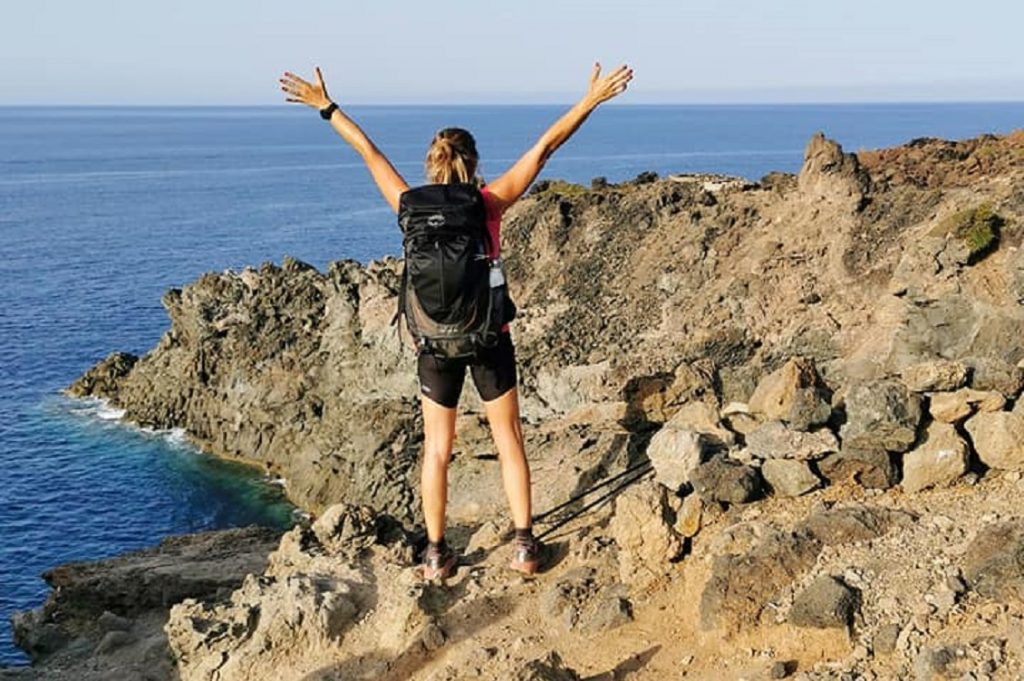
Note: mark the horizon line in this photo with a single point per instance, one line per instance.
(283, 106)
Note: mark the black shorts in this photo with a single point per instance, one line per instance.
(494, 373)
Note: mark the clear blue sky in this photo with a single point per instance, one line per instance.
(231, 51)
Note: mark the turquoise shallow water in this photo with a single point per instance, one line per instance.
(103, 209)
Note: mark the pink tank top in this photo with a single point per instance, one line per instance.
(493, 228)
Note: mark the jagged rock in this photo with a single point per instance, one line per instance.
(298, 612)
(994, 562)
(881, 415)
(37, 636)
(104, 379)
(581, 600)
(723, 479)
(793, 394)
(953, 407)
(991, 373)
(826, 603)
(180, 566)
(346, 529)
(692, 435)
(852, 523)
(773, 440)
(939, 460)
(655, 399)
(998, 438)
(828, 173)
(702, 417)
(487, 537)
(871, 468)
(886, 638)
(936, 375)
(643, 529)
(674, 453)
(548, 668)
(737, 417)
(741, 584)
(789, 478)
(690, 515)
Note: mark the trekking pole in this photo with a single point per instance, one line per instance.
(545, 514)
(595, 502)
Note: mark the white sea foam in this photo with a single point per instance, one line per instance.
(108, 413)
(176, 435)
(281, 482)
(96, 407)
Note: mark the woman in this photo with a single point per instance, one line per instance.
(452, 157)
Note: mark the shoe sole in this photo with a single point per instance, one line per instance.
(443, 572)
(527, 568)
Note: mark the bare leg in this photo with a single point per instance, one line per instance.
(438, 435)
(503, 415)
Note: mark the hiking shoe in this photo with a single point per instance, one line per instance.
(438, 563)
(526, 556)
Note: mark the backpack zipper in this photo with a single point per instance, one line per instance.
(440, 255)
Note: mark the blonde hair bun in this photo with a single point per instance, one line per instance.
(452, 157)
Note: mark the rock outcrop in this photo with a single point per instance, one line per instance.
(780, 353)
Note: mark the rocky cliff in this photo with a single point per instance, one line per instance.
(802, 391)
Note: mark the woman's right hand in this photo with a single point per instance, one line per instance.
(311, 94)
(612, 85)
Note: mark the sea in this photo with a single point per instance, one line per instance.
(102, 209)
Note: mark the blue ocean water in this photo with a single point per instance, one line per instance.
(103, 209)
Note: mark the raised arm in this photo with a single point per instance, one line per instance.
(518, 178)
(390, 183)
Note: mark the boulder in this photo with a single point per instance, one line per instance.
(655, 399)
(934, 376)
(939, 460)
(773, 440)
(990, 373)
(994, 562)
(742, 584)
(998, 438)
(953, 407)
(703, 418)
(726, 480)
(793, 394)
(881, 415)
(642, 527)
(690, 437)
(674, 452)
(851, 523)
(346, 529)
(827, 603)
(871, 468)
(690, 516)
(789, 478)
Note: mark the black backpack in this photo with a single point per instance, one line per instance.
(452, 294)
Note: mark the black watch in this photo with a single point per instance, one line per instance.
(328, 111)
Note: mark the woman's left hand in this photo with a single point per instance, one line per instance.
(311, 94)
